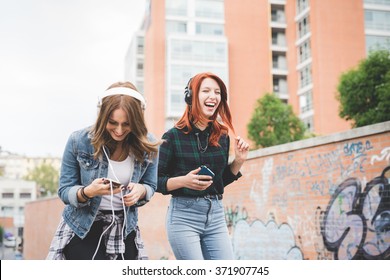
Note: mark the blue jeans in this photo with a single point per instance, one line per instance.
(197, 229)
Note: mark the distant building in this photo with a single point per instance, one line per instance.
(14, 166)
(296, 49)
(14, 194)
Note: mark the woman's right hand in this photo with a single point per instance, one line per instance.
(100, 186)
(197, 182)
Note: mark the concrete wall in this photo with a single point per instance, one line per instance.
(304, 200)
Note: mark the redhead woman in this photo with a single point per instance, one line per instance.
(194, 170)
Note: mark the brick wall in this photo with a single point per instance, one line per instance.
(304, 200)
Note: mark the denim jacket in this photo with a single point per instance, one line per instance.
(79, 168)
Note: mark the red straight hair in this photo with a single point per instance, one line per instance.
(221, 121)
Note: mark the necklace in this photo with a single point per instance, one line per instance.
(200, 148)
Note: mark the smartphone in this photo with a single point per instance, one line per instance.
(204, 170)
(115, 184)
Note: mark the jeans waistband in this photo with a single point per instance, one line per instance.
(207, 196)
(116, 212)
(214, 196)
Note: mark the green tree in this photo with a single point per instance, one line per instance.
(1, 234)
(273, 122)
(46, 177)
(364, 92)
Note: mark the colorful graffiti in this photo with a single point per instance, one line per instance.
(356, 223)
(232, 216)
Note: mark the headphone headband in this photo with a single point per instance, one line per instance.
(125, 91)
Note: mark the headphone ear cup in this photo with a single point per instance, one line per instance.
(188, 95)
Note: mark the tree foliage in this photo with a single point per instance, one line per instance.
(1, 234)
(46, 177)
(273, 122)
(364, 92)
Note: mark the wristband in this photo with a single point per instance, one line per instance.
(86, 197)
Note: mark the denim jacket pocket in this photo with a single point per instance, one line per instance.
(89, 168)
(87, 161)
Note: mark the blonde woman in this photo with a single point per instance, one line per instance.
(108, 171)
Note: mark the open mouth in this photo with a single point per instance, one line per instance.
(210, 104)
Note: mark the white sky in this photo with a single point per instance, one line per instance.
(56, 57)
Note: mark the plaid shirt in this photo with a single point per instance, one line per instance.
(180, 153)
(112, 239)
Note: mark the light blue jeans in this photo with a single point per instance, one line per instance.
(197, 229)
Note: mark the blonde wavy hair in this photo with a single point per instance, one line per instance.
(136, 142)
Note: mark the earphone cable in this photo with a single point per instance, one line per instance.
(112, 208)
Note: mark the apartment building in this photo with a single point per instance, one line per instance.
(15, 166)
(14, 194)
(296, 49)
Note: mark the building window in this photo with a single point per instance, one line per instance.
(176, 27)
(140, 69)
(7, 211)
(25, 195)
(7, 195)
(180, 74)
(377, 20)
(209, 28)
(377, 42)
(309, 123)
(176, 7)
(280, 85)
(304, 51)
(140, 86)
(278, 38)
(302, 5)
(279, 62)
(378, 2)
(177, 102)
(303, 27)
(305, 76)
(306, 102)
(277, 14)
(140, 45)
(209, 9)
(198, 50)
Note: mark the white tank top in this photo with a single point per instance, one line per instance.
(121, 171)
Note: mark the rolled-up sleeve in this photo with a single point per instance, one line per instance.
(70, 182)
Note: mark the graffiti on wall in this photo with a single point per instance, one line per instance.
(385, 155)
(256, 240)
(356, 224)
(316, 172)
(259, 241)
(233, 215)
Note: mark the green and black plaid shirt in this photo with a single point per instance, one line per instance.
(179, 154)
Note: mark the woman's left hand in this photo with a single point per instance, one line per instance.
(137, 192)
(241, 149)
